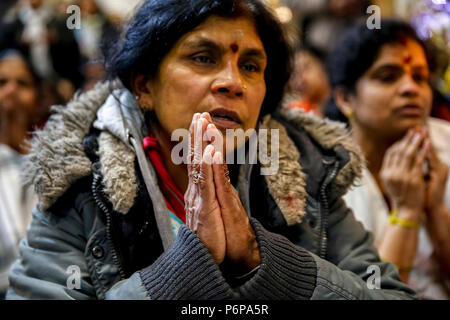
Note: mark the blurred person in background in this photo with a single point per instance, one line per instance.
(18, 104)
(96, 32)
(380, 81)
(431, 20)
(64, 52)
(39, 29)
(308, 88)
(322, 21)
(35, 17)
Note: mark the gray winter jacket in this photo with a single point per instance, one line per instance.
(92, 206)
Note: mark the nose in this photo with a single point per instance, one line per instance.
(229, 82)
(8, 89)
(409, 87)
(8, 92)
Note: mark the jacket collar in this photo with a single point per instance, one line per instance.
(60, 144)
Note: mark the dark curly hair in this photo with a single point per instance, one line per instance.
(158, 24)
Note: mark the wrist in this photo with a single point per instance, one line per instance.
(255, 260)
(437, 212)
(406, 213)
(404, 218)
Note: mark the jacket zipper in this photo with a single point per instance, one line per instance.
(109, 238)
(324, 215)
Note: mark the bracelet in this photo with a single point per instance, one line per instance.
(401, 222)
(403, 268)
(399, 267)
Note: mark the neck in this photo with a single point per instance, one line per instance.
(177, 172)
(13, 135)
(319, 102)
(373, 147)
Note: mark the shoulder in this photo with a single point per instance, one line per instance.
(325, 139)
(57, 158)
(326, 133)
(440, 135)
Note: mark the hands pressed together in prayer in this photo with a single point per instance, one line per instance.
(404, 179)
(213, 209)
(414, 180)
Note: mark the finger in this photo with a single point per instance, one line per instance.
(207, 116)
(407, 155)
(239, 233)
(205, 122)
(206, 181)
(420, 157)
(194, 119)
(391, 157)
(388, 159)
(192, 128)
(198, 140)
(193, 166)
(215, 136)
(202, 195)
(225, 192)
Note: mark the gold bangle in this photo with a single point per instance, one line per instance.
(402, 222)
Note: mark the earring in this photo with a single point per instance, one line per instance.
(244, 86)
(137, 98)
(349, 113)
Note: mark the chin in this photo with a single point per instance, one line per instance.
(413, 121)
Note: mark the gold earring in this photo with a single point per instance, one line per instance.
(350, 113)
(244, 87)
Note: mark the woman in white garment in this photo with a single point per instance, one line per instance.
(18, 98)
(380, 81)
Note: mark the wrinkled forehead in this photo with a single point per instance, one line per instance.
(229, 33)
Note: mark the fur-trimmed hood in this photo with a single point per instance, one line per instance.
(57, 158)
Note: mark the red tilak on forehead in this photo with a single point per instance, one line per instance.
(234, 47)
(407, 59)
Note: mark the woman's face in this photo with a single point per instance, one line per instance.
(17, 87)
(310, 78)
(394, 94)
(217, 68)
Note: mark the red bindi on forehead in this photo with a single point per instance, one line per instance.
(234, 47)
(407, 59)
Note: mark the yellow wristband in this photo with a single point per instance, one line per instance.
(401, 222)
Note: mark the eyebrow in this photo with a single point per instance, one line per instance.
(206, 43)
(255, 53)
(202, 43)
(398, 66)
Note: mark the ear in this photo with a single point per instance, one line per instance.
(344, 101)
(141, 86)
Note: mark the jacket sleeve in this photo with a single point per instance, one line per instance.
(352, 270)
(185, 271)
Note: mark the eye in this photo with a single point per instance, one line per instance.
(388, 77)
(249, 67)
(418, 77)
(25, 83)
(203, 59)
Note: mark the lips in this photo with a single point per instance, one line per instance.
(411, 110)
(225, 119)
